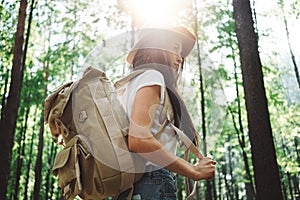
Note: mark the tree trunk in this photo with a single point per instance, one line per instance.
(3, 99)
(8, 121)
(179, 186)
(295, 177)
(208, 195)
(262, 145)
(225, 175)
(289, 43)
(249, 186)
(228, 195)
(286, 153)
(28, 168)
(53, 180)
(220, 186)
(230, 163)
(283, 184)
(241, 134)
(289, 179)
(214, 189)
(49, 171)
(21, 155)
(39, 161)
(295, 181)
(52, 187)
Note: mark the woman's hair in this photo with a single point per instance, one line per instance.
(145, 56)
(159, 60)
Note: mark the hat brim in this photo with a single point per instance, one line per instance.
(155, 38)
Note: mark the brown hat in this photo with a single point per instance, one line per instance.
(163, 39)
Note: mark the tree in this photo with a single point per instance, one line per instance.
(208, 192)
(10, 113)
(262, 145)
(281, 4)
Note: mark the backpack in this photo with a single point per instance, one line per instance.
(87, 118)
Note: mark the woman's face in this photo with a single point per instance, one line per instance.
(175, 57)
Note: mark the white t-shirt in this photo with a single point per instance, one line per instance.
(149, 78)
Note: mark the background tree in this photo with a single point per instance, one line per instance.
(262, 146)
(10, 111)
(281, 5)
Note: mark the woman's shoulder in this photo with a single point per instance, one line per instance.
(151, 77)
(152, 72)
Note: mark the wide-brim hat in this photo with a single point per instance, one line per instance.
(163, 39)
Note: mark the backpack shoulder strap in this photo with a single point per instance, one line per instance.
(128, 78)
(92, 73)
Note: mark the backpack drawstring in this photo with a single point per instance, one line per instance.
(77, 168)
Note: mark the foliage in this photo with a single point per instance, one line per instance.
(65, 34)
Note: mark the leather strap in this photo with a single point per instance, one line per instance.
(190, 146)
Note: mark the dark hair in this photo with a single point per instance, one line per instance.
(158, 60)
(146, 56)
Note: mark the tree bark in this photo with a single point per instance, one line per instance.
(262, 145)
(53, 180)
(295, 181)
(232, 176)
(49, 171)
(219, 186)
(39, 161)
(249, 186)
(8, 121)
(240, 130)
(179, 186)
(208, 192)
(227, 185)
(281, 4)
(28, 166)
(3, 99)
(21, 151)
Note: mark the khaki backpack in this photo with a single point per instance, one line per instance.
(87, 118)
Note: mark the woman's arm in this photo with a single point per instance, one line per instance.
(142, 141)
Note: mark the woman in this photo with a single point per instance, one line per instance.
(161, 52)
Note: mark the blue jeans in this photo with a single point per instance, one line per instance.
(156, 185)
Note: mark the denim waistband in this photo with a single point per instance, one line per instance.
(151, 168)
(157, 170)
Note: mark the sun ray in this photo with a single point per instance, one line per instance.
(157, 12)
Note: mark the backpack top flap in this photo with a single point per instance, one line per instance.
(89, 74)
(50, 100)
(55, 105)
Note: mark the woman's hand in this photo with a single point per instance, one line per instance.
(204, 169)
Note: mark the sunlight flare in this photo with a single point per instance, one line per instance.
(157, 12)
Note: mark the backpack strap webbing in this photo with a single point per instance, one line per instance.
(116, 136)
(128, 78)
